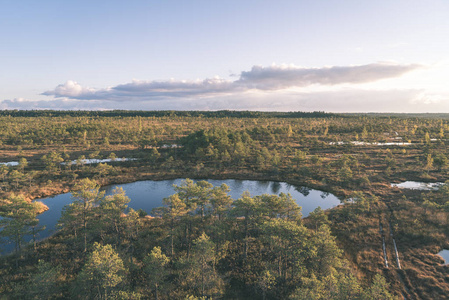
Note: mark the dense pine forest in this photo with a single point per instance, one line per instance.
(202, 244)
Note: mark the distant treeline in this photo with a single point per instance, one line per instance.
(166, 113)
(400, 115)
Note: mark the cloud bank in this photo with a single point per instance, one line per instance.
(282, 77)
(273, 88)
(273, 78)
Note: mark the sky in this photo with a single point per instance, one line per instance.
(289, 55)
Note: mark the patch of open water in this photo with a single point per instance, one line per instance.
(416, 185)
(445, 255)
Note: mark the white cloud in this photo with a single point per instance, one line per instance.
(273, 78)
(69, 89)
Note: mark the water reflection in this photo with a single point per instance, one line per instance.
(238, 184)
(263, 184)
(324, 195)
(275, 187)
(303, 190)
(288, 186)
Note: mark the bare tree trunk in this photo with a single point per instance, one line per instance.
(246, 237)
(172, 238)
(202, 279)
(85, 227)
(34, 238)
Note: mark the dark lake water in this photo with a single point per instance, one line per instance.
(149, 194)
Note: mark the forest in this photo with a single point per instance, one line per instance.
(201, 243)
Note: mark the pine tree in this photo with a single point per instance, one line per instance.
(156, 264)
(102, 274)
(85, 195)
(19, 217)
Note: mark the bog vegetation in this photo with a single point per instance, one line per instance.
(381, 244)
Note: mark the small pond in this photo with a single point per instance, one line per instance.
(445, 255)
(10, 163)
(358, 143)
(416, 185)
(88, 161)
(148, 194)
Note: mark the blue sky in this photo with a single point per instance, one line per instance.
(342, 56)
